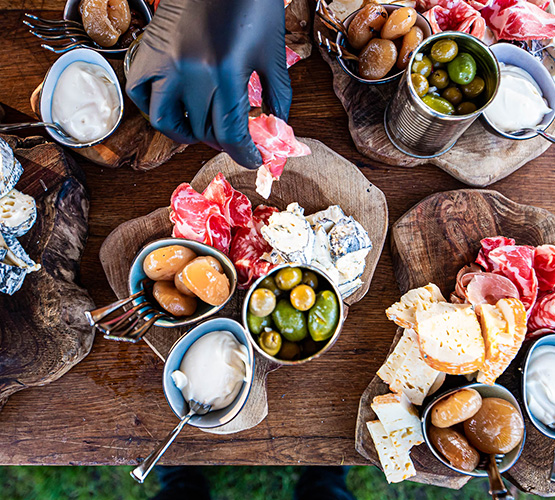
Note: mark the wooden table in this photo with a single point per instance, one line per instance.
(110, 408)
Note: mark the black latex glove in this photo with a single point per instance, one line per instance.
(197, 56)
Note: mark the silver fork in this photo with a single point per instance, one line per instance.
(328, 17)
(497, 488)
(335, 49)
(64, 35)
(141, 472)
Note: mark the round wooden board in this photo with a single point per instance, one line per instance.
(316, 181)
(479, 158)
(430, 243)
(43, 330)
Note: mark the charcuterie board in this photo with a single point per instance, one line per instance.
(479, 158)
(43, 330)
(316, 181)
(430, 243)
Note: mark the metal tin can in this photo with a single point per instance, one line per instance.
(419, 131)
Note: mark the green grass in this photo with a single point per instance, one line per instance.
(227, 483)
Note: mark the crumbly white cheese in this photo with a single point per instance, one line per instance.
(10, 169)
(18, 213)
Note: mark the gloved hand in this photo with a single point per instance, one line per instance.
(197, 56)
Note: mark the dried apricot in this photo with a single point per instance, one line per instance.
(172, 301)
(454, 447)
(399, 23)
(163, 263)
(105, 20)
(366, 25)
(377, 59)
(456, 408)
(410, 41)
(205, 282)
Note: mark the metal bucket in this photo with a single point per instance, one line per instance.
(419, 131)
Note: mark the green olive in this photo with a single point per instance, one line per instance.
(437, 65)
(302, 297)
(453, 95)
(474, 88)
(462, 69)
(257, 324)
(422, 67)
(444, 51)
(289, 351)
(311, 279)
(466, 108)
(288, 278)
(439, 79)
(290, 322)
(420, 84)
(263, 302)
(270, 342)
(270, 283)
(439, 104)
(323, 316)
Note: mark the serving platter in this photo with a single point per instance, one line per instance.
(430, 243)
(315, 182)
(479, 158)
(43, 330)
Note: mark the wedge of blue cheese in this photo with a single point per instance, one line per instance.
(18, 213)
(10, 169)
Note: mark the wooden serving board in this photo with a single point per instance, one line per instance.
(479, 158)
(324, 178)
(430, 243)
(43, 330)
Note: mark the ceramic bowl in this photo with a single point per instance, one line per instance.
(508, 53)
(322, 278)
(71, 12)
(486, 391)
(174, 396)
(545, 340)
(204, 311)
(351, 67)
(49, 84)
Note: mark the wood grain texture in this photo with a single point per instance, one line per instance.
(437, 237)
(467, 161)
(319, 180)
(110, 409)
(43, 332)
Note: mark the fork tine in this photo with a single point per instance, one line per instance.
(64, 37)
(140, 332)
(54, 31)
(54, 22)
(67, 48)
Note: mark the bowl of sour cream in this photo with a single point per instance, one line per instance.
(213, 364)
(537, 384)
(526, 94)
(82, 95)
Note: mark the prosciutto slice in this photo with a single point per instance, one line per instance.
(544, 265)
(455, 15)
(489, 288)
(276, 142)
(543, 314)
(518, 20)
(489, 244)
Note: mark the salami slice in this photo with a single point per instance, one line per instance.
(516, 263)
(543, 314)
(235, 206)
(544, 265)
(489, 244)
(489, 288)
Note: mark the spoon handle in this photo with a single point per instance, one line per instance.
(17, 126)
(547, 136)
(142, 471)
(497, 488)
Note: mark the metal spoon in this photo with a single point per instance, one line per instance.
(17, 126)
(538, 131)
(141, 472)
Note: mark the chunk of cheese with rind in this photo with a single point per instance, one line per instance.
(402, 313)
(11, 278)
(504, 329)
(395, 359)
(450, 338)
(10, 168)
(18, 213)
(397, 466)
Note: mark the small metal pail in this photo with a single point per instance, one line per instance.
(419, 131)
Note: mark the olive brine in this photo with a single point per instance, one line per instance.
(291, 315)
(447, 80)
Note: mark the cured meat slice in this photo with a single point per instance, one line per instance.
(543, 314)
(463, 278)
(544, 265)
(248, 246)
(516, 263)
(489, 288)
(455, 15)
(235, 206)
(196, 218)
(255, 86)
(518, 20)
(489, 244)
(276, 142)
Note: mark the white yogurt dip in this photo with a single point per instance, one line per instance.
(540, 387)
(85, 101)
(213, 370)
(519, 102)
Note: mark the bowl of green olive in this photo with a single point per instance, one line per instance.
(293, 314)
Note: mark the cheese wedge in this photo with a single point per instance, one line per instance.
(402, 313)
(395, 359)
(399, 419)
(396, 466)
(450, 338)
(504, 329)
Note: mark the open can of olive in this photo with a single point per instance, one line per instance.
(422, 132)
